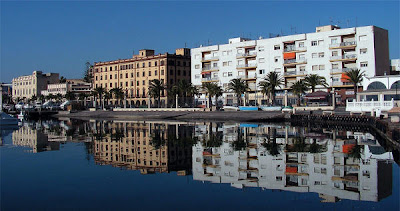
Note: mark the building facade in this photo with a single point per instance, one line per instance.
(72, 85)
(329, 52)
(24, 87)
(133, 75)
(395, 66)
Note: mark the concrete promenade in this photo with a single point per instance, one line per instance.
(241, 116)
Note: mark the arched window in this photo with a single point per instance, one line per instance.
(395, 85)
(376, 85)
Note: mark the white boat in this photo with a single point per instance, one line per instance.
(231, 108)
(271, 108)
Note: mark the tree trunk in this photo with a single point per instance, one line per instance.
(238, 100)
(209, 101)
(355, 92)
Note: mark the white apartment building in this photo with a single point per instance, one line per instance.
(328, 52)
(24, 87)
(395, 65)
(331, 173)
(71, 85)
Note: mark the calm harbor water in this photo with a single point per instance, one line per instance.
(116, 165)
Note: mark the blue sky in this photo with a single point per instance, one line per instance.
(62, 36)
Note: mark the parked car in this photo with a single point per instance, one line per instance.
(38, 105)
(28, 107)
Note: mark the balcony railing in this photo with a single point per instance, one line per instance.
(210, 68)
(210, 58)
(252, 53)
(292, 61)
(247, 77)
(339, 83)
(294, 73)
(344, 57)
(246, 65)
(210, 79)
(342, 70)
(343, 44)
(294, 48)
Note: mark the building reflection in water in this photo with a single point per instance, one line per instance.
(148, 147)
(336, 164)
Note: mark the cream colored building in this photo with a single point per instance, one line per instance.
(24, 87)
(131, 146)
(134, 75)
(27, 136)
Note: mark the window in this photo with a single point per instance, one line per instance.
(105, 77)
(143, 74)
(276, 58)
(131, 75)
(261, 48)
(131, 83)
(301, 44)
(126, 83)
(320, 42)
(197, 76)
(155, 72)
(162, 72)
(314, 55)
(334, 53)
(223, 53)
(229, 74)
(224, 64)
(363, 37)
(196, 56)
(277, 47)
(229, 52)
(197, 66)
(155, 63)
(302, 68)
(225, 74)
(261, 60)
(335, 66)
(261, 71)
(110, 84)
(126, 75)
(143, 64)
(171, 72)
(149, 64)
(179, 72)
(322, 67)
(302, 56)
(137, 83)
(229, 63)
(315, 67)
(314, 43)
(143, 82)
(364, 64)
(363, 51)
(137, 74)
(277, 70)
(278, 178)
(334, 40)
(321, 55)
(215, 64)
(149, 73)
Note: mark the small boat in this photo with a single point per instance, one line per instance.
(248, 108)
(271, 108)
(230, 108)
(7, 119)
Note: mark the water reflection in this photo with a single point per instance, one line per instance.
(336, 164)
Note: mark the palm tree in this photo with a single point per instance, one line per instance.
(355, 76)
(238, 86)
(99, 91)
(63, 79)
(155, 88)
(299, 88)
(192, 92)
(107, 96)
(70, 96)
(183, 87)
(272, 81)
(212, 89)
(82, 97)
(313, 80)
(118, 94)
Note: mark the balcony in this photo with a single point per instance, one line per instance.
(343, 45)
(294, 73)
(294, 49)
(248, 54)
(246, 66)
(209, 69)
(207, 80)
(247, 77)
(347, 57)
(209, 58)
(290, 62)
(341, 84)
(339, 71)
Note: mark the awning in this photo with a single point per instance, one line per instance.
(344, 78)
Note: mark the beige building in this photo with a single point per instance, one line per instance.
(32, 138)
(24, 87)
(134, 146)
(134, 75)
